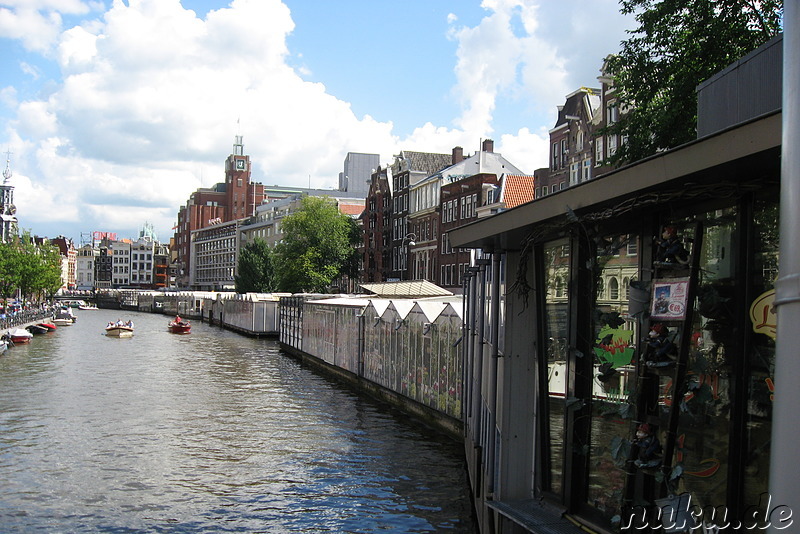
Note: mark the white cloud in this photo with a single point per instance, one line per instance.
(151, 97)
(153, 94)
(37, 23)
(526, 150)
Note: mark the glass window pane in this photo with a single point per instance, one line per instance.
(761, 357)
(614, 376)
(556, 273)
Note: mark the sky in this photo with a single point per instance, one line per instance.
(113, 112)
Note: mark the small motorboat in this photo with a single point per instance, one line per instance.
(19, 335)
(179, 326)
(120, 329)
(64, 317)
(37, 329)
(50, 326)
(88, 307)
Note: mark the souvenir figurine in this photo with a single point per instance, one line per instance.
(670, 249)
(649, 447)
(660, 349)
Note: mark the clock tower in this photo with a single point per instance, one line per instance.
(8, 212)
(242, 195)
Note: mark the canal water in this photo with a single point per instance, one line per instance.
(207, 432)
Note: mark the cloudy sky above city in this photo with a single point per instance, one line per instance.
(115, 112)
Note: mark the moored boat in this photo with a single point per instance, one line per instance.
(179, 326)
(88, 307)
(50, 326)
(36, 329)
(64, 317)
(19, 335)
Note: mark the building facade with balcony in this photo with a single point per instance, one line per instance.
(410, 167)
(376, 222)
(85, 267)
(426, 202)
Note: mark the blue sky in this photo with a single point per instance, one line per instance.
(115, 111)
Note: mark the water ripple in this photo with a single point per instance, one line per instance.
(210, 432)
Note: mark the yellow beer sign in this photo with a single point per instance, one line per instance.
(764, 315)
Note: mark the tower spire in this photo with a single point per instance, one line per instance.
(7, 172)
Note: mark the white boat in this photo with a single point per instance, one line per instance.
(120, 329)
(88, 307)
(64, 317)
(19, 335)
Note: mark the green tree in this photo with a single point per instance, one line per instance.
(31, 269)
(10, 272)
(677, 45)
(319, 246)
(255, 270)
(44, 274)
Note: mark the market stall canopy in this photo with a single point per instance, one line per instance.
(406, 289)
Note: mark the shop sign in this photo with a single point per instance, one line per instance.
(670, 298)
(764, 315)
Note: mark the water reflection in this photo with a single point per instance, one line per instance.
(208, 432)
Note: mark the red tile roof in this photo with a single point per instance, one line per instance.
(518, 189)
(351, 209)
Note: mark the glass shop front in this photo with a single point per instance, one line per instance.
(658, 347)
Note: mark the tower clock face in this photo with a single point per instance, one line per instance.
(240, 164)
(12, 209)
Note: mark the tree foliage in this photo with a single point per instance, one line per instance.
(677, 45)
(319, 246)
(256, 273)
(33, 270)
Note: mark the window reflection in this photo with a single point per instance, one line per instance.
(556, 271)
(613, 372)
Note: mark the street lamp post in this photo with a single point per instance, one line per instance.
(408, 241)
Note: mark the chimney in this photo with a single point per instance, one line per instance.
(458, 155)
(488, 145)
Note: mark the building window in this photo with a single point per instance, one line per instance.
(633, 246)
(587, 169)
(612, 145)
(555, 156)
(612, 113)
(598, 151)
(613, 289)
(574, 173)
